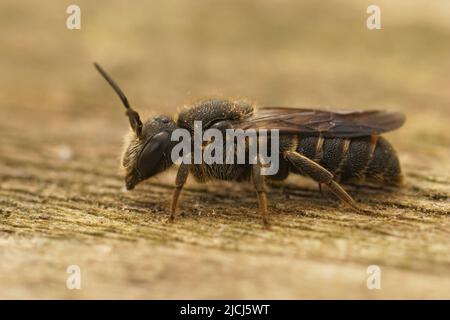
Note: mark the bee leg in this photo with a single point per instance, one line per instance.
(320, 175)
(182, 174)
(320, 187)
(259, 184)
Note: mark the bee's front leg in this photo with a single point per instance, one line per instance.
(260, 187)
(182, 174)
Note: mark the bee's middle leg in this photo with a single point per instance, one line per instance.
(182, 174)
(259, 184)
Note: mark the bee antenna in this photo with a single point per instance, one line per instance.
(135, 121)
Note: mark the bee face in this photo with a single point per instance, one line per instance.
(148, 154)
(148, 147)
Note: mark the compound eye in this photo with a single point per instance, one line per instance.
(152, 155)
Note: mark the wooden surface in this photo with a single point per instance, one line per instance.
(61, 194)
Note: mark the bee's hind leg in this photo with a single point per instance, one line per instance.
(182, 174)
(259, 184)
(320, 175)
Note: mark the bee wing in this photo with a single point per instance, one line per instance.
(340, 123)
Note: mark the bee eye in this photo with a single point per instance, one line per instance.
(151, 156)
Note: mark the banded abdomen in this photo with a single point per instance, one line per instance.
(354, 160)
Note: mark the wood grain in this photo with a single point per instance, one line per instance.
(61, 195)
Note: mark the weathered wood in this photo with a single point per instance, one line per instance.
(61, 198)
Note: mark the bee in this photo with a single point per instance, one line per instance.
(330, 147)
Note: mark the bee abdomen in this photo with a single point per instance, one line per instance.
(355, 160)
(384, 165)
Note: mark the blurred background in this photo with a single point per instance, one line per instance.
(169, 53)
(55, 107)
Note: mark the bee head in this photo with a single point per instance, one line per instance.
(149, 145)
(148, 154)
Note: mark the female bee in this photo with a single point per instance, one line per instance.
(330, 147)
